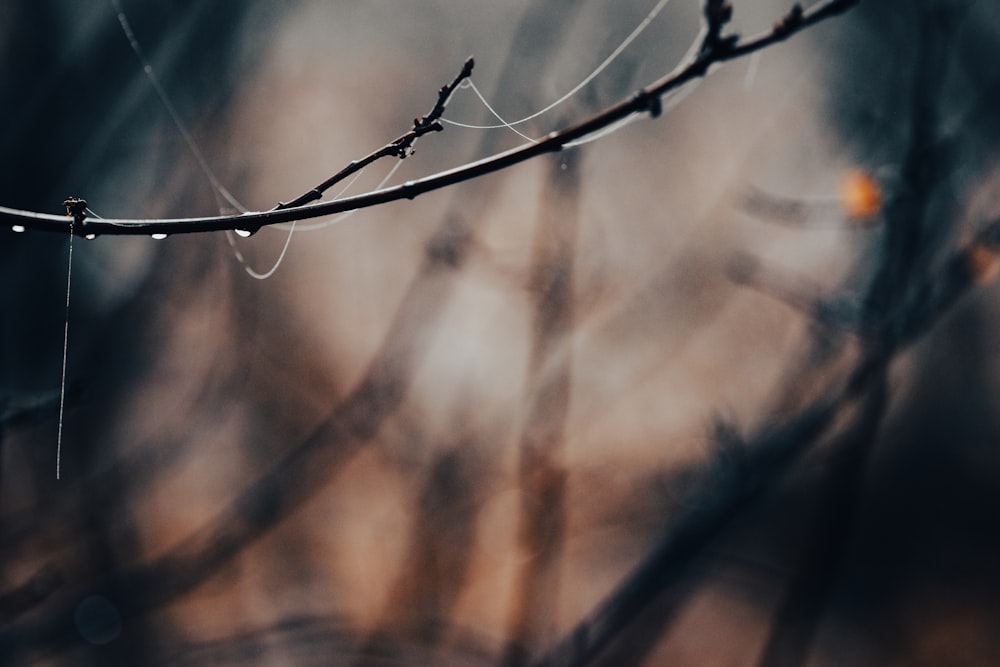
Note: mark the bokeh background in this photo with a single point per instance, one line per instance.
(596, 409)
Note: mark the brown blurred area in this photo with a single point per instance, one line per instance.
(604, 408)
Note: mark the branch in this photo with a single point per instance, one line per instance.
(645, 100)
(767, 456)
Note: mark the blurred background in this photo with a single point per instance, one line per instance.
(716, 389)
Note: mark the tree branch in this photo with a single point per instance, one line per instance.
(646, 99)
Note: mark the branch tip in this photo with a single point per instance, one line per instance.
(717, 14)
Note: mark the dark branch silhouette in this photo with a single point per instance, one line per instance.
(646, 100)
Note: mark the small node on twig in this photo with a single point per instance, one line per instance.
(76, 208)
(644, 101)
(408, 189)
(789, 21)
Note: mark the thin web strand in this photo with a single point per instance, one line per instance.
(246, 267)
(489, 107)
(65, 356)
(343, 191)
(346, 214)
(669, 101)
(577, 88)
(295, 227)
(192, 145)
(288, 239)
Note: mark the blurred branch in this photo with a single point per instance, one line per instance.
(647, 99)
(667, 564)
(34, 408)
(29, 595)
(298, 476)
(800, 613)
(914, 302)
(542, 475)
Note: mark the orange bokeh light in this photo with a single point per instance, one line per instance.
(860, 196)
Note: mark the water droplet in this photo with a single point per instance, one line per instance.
(90, 237)
(243, 232)
(159, 236)
(97, 620)
(17, 228)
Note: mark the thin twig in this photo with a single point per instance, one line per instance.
(402, 147)
(645, 100)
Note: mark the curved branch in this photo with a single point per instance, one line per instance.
(645, 100)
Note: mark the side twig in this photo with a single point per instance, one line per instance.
(402, 147)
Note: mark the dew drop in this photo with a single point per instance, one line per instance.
(245, 233)
(17, 228)
(90, 237)
(159, 236)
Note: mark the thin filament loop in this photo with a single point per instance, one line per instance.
(600, 134)
(489, 107)
(246, 267)
(576, 89)
(292, 227)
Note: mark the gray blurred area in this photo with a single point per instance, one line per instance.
(667, 398)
